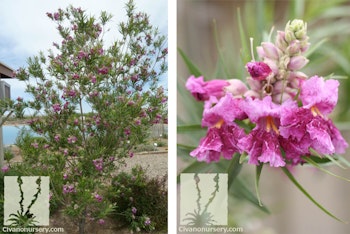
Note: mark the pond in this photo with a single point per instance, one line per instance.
(10, 133)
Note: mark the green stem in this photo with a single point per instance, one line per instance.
(295, 182)
(3, 120)
(257, 179)
(233, 169)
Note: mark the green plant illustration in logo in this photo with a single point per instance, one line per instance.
(25, 218)
(199, 217)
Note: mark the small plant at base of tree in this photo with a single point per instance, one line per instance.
(140, 201)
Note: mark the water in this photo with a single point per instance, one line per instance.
(10, 133)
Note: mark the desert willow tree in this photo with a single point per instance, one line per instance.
(94, 102)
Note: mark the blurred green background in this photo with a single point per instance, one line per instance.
(209, 33)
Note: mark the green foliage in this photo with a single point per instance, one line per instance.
(92, 104)
(9, 107)
(161, 143)
(147, 195)
(2, 199)
(8, 155)
(144, 148)
(27, 143)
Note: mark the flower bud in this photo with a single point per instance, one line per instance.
(279, 86)
(260, 52)
(254, 84)
(281, 42)
(258, 70)
(284, 61)
(281, 97)
(297, 62)
(251, 93)
(304, 45)
(270, 50)
(296, 30)
(236, 87)
(296, 78)
(273, 64)
(294, 48)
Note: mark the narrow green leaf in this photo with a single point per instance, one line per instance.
(335, 12)
(295, 182)
(339, 58)
(183, 151)
(187, 147)
(343, 160)
(245, 48)
(315, 47)
(257, 179)
(299, 8)
(314, 152)
(196, 167)
(233, 169)
(193, 111)
(190, 66)
(189, 128)
(335, 77)
(329, 158)
(243, 157)
(320, 160)
(240, 190)
(260, 16)
(310, 161)
(222, 60)
(334, 161)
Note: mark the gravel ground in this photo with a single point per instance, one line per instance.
(155, 163)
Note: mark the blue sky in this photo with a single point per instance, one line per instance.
(25, 29)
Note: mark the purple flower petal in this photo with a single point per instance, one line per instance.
(262, 146)
(201, 90)
(223, 139)
(209, 148)
(338, 141)
(321, 140)
(227, 109)
(316, 92)
(256, 108)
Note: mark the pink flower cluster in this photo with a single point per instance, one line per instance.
(70, 188)
(97, 197)
(287, 109)
(98, 163)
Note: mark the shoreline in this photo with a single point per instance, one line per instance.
(15, 122)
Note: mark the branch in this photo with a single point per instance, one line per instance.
(3, 120)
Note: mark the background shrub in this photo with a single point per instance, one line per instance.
(138, 197)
